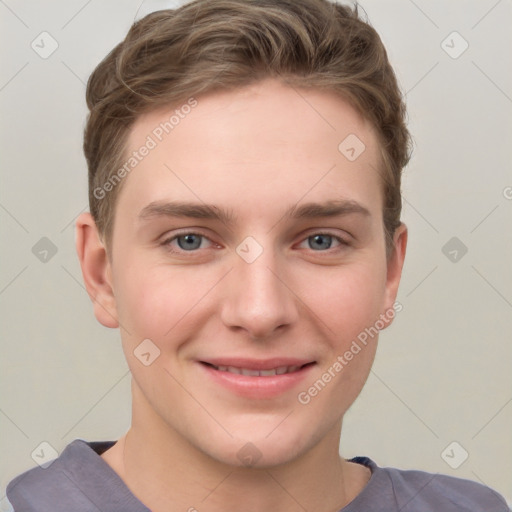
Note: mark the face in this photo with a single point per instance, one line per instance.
(249, 249)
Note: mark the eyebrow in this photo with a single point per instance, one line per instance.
(332, 208)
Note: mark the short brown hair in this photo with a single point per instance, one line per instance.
(210, 45)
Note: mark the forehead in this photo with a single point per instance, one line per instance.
(266, 142)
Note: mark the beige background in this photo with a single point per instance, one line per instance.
(442, 372)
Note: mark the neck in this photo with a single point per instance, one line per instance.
(166, 473)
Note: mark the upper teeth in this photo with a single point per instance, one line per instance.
(258, 373)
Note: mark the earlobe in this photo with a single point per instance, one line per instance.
(394, 271)
(96, 270)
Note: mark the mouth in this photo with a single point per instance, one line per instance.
(251, 372)
(257, 379)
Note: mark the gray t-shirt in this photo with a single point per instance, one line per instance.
(79, 480)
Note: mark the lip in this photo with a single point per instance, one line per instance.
(257, 387)
(257, 364)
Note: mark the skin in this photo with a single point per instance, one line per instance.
(257, 152)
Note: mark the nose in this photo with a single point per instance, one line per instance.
(258, 299)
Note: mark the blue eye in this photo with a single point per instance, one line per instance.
(320, 241)
(185, 242)
(324, 241)
(189, 241)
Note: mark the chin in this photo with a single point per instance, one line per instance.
(263, 452)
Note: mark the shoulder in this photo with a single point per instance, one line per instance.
(418, 491)
(63, 484)
(434, 489)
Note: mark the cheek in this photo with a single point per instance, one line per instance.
(155, 300)
(347, 299)
(348, 303)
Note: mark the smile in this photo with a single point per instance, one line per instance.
(280, 370)
(257, 379)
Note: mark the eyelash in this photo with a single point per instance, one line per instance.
(167, 242)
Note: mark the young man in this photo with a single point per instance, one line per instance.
(244, 171)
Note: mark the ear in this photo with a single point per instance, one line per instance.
(96, 270)
(394, 272)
